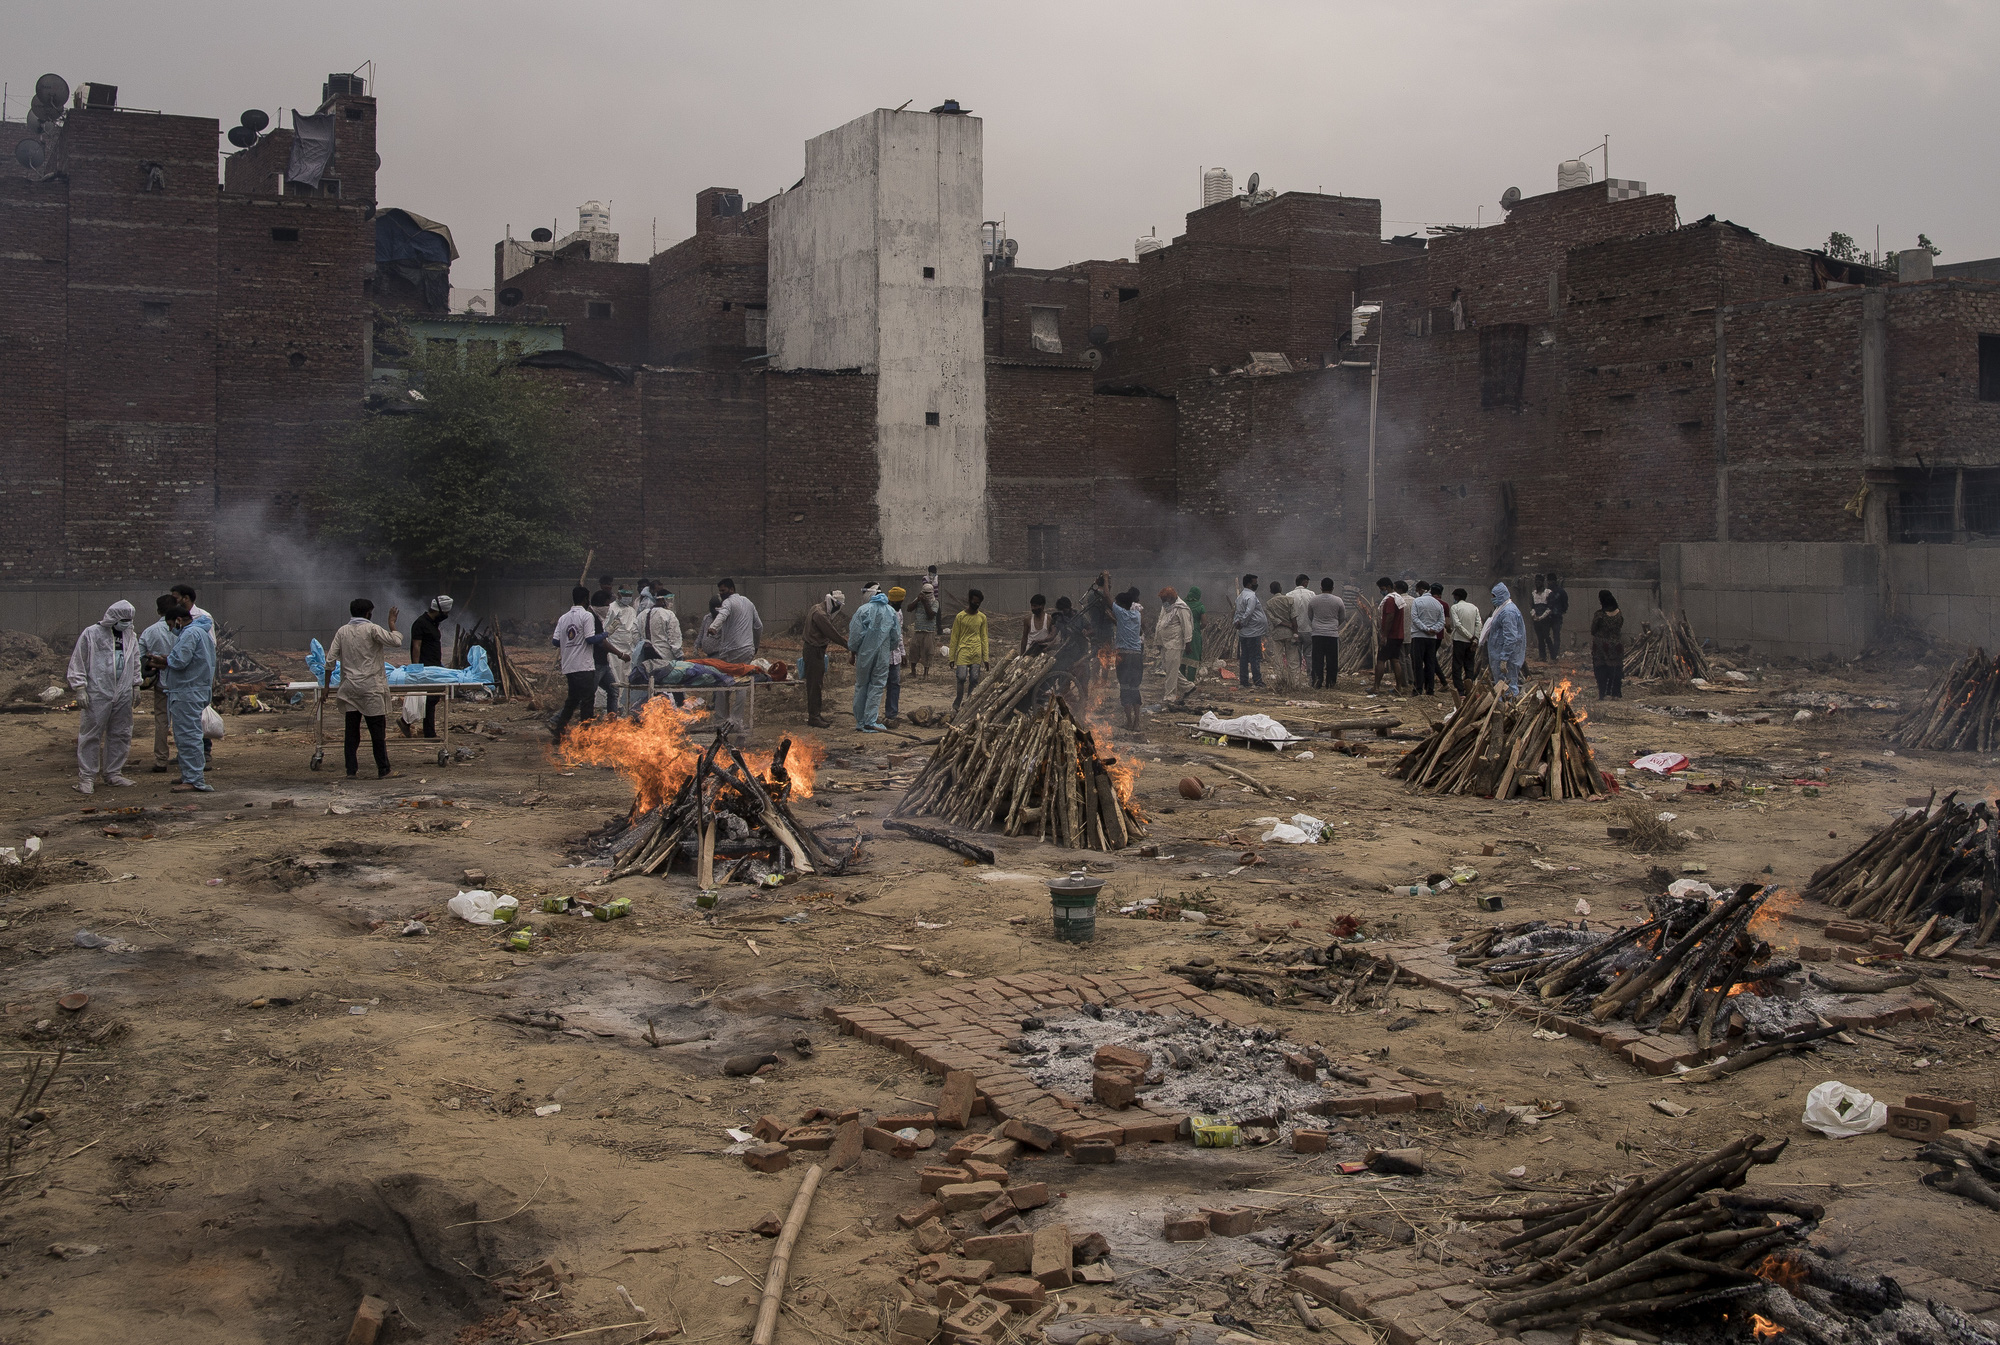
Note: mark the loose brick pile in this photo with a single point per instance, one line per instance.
(1655, 1052)
(1416, 1301)
(960, 1033)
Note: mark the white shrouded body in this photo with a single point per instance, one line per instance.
(1572, 173)
(1217, 185)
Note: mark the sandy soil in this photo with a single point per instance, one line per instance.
(295, 1104)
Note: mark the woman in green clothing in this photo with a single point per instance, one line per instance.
(1191, 659)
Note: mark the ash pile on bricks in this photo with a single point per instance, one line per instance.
(1181, 1064)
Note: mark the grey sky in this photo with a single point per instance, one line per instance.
(1791, 118)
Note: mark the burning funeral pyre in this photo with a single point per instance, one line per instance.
(707, 805)
(1034, 772)
(1681, 971)
(1933, 867)
(1690, 1247)
(1961, 712)
(1671, 651)
(1496, 746)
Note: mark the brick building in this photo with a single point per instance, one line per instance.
(1573, 388)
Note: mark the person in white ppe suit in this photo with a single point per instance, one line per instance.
(621, 630)
(103, 670)
(659, 648)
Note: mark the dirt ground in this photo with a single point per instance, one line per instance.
(276, 1101)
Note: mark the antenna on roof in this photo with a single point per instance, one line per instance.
(905, 103)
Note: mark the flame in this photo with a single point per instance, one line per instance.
(1777, 905)
(655, 754)
(1763, 1328)
(1782, 1270)
(1124, 773)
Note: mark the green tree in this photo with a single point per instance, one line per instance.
(478, 477)
(1924, 242)
(1841, 248)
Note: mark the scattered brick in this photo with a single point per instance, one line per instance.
(1185, 1227)
(1020, 1293)
(1028, 1195)
(954, 1107)
(1231, 1221)
(1030, 1133)
(769, 1129)
(767, 1157)
(1113, 1090)
(1911, 1123)
(968, 1195)
(845, 1151)
(912, 1218)
(1094, 1151)
(930, 1237)
(981, 1319)
(1122, 1058)
(1962, 1111)
(1011, 1252)
(1050, 1257)
(1309, 1141)
(811, 1138)
(983, 1171)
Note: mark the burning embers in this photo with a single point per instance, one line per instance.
(725, 812)
(1677, 972)
(654, 751)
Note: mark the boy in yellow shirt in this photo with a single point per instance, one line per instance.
(969, 653)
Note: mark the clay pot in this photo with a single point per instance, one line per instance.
(1191, 788)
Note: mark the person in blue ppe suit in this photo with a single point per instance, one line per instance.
(190, 675)
(871, 639)
(1506, 638)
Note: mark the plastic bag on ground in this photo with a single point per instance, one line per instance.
(1688, 887)
(212, 726)
(1834, 1109)
(480, 907)
(1661, 763)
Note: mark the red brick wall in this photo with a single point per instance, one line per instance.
(34, 338)
(605, 426)
(703, 286)
(703, 464)
(140, 403)
(822, 474)
(567, 286)
(1040, 469)
(1012, 295)
(1134, 495)
(289, 358)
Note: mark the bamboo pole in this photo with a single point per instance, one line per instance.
(781, 1260)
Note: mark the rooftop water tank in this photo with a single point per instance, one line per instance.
(1359, 320)
(592, 217)
(1572, 173)
(1217, 185)
(1148, 243)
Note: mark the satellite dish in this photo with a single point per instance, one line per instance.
(1099, 334)
(52, 89)
(1510, 198)
(511, 296)
(30, 154)
(35, 120)
(1251, 185)
(256, 119)
(242, 137)
(540, 236)
(1010, 247)
(1093, 358)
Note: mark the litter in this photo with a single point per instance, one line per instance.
(549, 1110)
(1547, 1034)
(483, 908)
(1661, 763)
(1582, 906)
(1303, 829)
(83, 938)
(1303, 756)
(1834, 1109)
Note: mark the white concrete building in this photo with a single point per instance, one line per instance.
(875, 265)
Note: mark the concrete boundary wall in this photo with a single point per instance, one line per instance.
(1951, 592)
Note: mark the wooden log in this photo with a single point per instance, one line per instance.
(940, 838)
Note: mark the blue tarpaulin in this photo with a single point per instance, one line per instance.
(406, 674)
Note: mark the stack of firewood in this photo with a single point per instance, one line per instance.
(1961, 712)
(1932, 863)
(1671, 651)
(1499, 746)
(1675, 1238)
(1672, 973)
(508, 680)
(1357, 636)
(1035, 773)
(691, 827)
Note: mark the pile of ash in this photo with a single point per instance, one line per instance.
(1209, 1069)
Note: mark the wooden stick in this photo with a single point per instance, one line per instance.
(781, 1260)
(940, 838)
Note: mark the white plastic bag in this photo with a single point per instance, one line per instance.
(1838, 1111)
(212, 726)
(413, 709)
(1301, 830)
(480, 907)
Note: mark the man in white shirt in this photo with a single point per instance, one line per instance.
(1465, 623)
(734, 635)
(575, 636)
(1427, 622)
(1301, 597)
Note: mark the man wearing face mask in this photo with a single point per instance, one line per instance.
(103, 669)
(427, 645)
(621, 632)
(822, 631)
